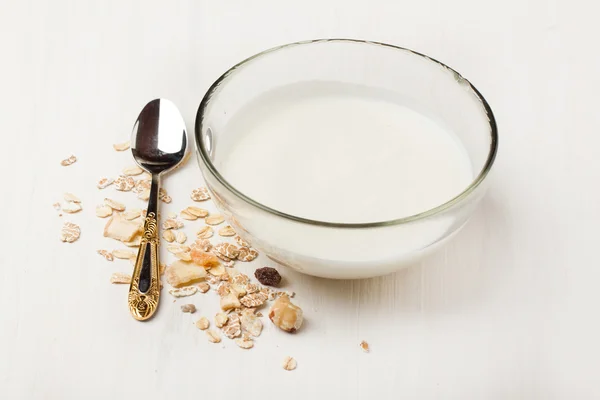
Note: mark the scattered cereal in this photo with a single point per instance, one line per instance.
(68, 161)
(188, 308)
(104, 182)
(172, 224)
(184, 291)
(168, 235)
(365, 346)
(247, 254)
(230, 302)
(72, 208)
(233, 328)
(144, 194)
(203, 287)
(115, 205)
(200, 194)
(205, 233)
(132, 214)
(215, 219)
(202, 323)
(221, 319)
(197, 211)
(241, 242)
(254, 299)
(123, 254)
(188, 216)
(226, 231)
(251, 324)
(106, 254)
(70, 197)
(132, 170)
(201, 244)
(244, 343)
(213, 336)
(103, 211)
(119, 277)
(163, 196)
(228, 250)
(70, 232)
(289, 364)
(124, 183)
(122, 146)
(180, 237)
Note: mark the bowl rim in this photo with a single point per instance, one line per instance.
(409, 219)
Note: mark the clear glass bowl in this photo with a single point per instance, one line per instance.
(346, 250)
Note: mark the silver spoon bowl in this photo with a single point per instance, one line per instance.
(158, 144)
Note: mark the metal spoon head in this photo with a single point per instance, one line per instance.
(159, 137)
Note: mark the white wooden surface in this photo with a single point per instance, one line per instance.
(509, 310)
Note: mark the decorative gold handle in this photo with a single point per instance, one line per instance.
(144, 291)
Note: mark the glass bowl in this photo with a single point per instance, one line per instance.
(338, 249)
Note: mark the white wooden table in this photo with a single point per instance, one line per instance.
(509, 310)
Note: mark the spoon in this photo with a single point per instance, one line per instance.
(158, 144)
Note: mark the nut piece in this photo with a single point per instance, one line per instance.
(221, 319)
(169, 236)
(204, 259)
(233, 328)
(285, 315)
(215, 219)
(106, 254)
(226, 231)
(115, 205)
(103, 211)
(203, 287)
(121, 229)
(268, 276)
(365, 346)
(119, 277)
(70, 197)
(104, 182)
(202, 323)
(72, 208)
(289, 364)
(247, 254)
(182, 273)
(213, 336)
(70, 232)
(228, 250)
(251, 324)
(200, 194)
(124, 183)
(184, 291)
(122, 146)
(172, 224)
(68, 161)
(254, 299)
(230, 302)
(245, 343)
(205, 233)
(188, 308)
(180, 237)
(123, 254)
(132, 170)
(197, 211)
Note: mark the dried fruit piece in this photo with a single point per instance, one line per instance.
(188, 308)
(188, 216)
(184, 291)
(286, 315)
(203, 323)
(103, 211)
(72, 208)
(123, 254)
(104, 182)
(233, 328)
(132, 170)
(268, 276)
(247, 254)
(168, 235)
(204, 259)
(106, 254)
(122, 146)
(251, 324)
(244, 343)
(226, 231)
(213, 336)
(200, 194)
(201, 244)
(119, 228)
(214, 219)
(205, 233)
(228, 250)
(289, 364)
(172, 224)
(70, 232)
(132, 214)
(119, 277)
(124, 183)
(241, 242)
(68, 161)
(183, 273)
(197, 211)
(71, 198)
(180, 237)
(115, 205)
(203, 287)
(365, 346)
(230, 302)
(254, 299)
(221, 319)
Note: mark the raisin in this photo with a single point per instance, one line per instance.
(268, 276)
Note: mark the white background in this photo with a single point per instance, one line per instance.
(508, 310)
